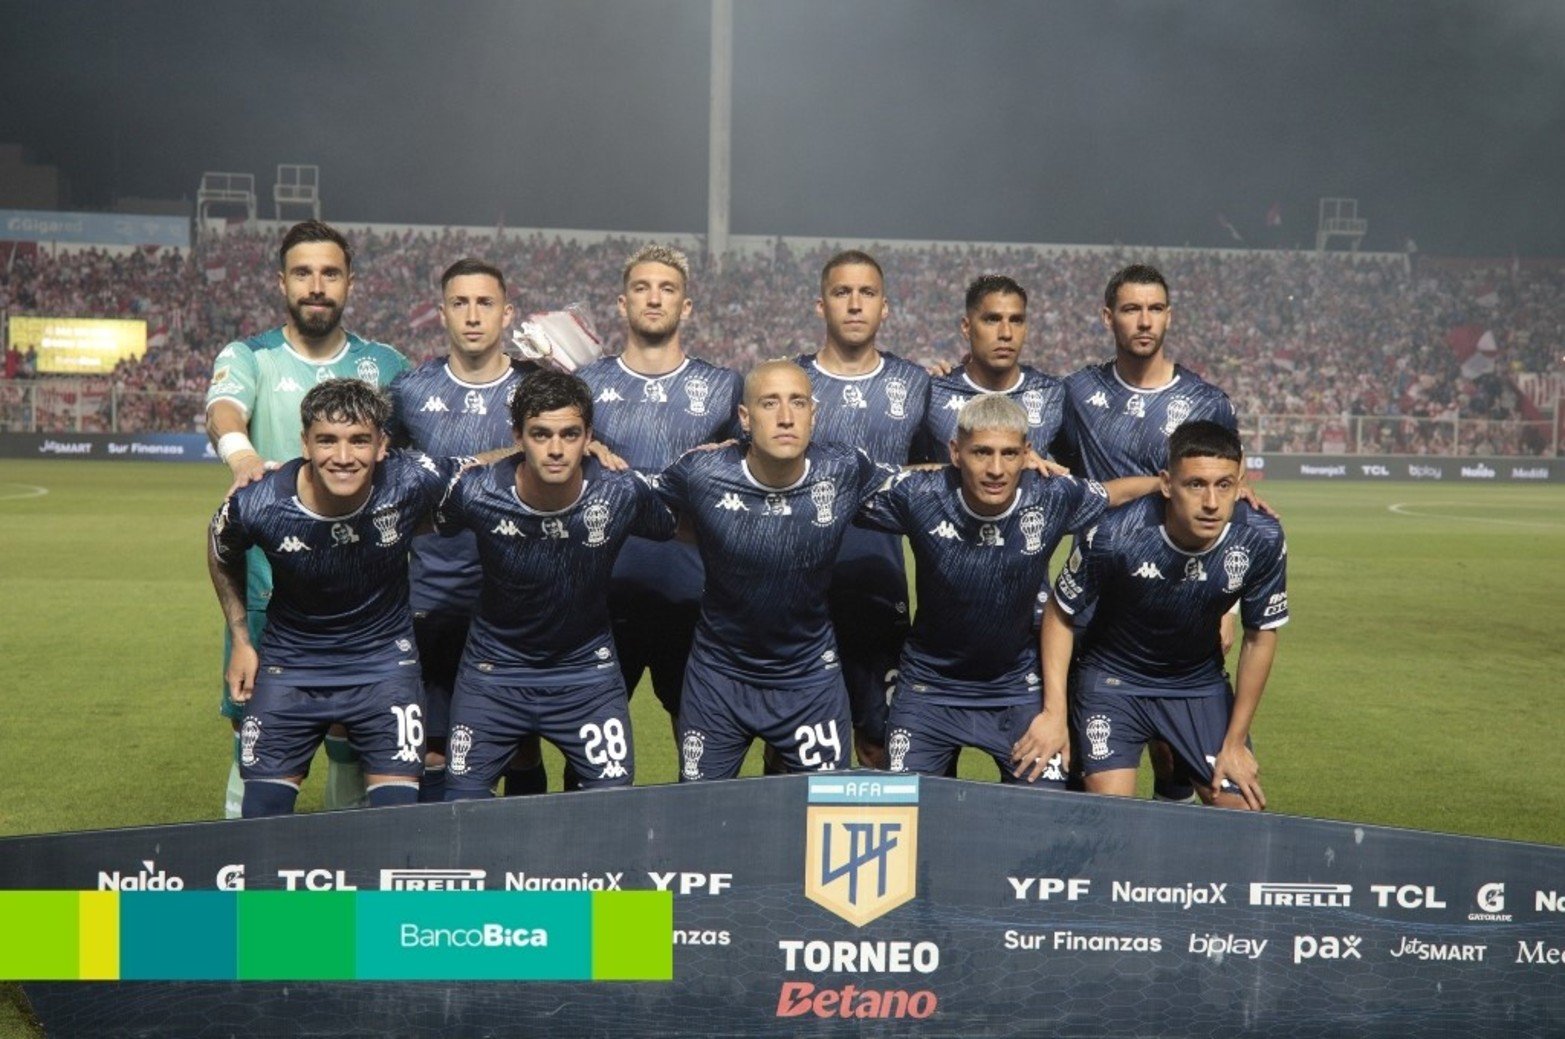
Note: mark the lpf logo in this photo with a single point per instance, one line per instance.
(861, 845)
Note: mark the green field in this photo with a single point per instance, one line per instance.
(1420, 683)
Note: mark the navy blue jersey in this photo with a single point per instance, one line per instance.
(1155, 628)
(978, 579)
(439, 414)
(1112, 429)
(543, 614)
(1041, 396)
(768, 554)
(339, 609)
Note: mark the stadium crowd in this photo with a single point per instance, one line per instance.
(1326, 340)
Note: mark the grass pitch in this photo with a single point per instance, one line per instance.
(1420, 683)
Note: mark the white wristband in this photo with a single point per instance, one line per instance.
(230, 444)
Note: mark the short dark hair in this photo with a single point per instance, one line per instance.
(988, 284)
(345, 400)
(851, 258)
(1135, 274)
(549, 390)
(472, 265)
(313, 231)
(1203, 438)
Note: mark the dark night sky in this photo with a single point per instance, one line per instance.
(1012, 121)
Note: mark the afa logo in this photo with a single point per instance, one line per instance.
(861, 845)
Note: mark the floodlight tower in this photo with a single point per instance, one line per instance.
(224, 189)
(297, 186)
(1339, 218)
(720, 131)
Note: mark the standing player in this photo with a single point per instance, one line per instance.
(540, 659)
(253, 418)
(337, 648)
(653, 403)
(459, 404)
(994, 323)
(769, 519)
(982, 534)
(1119, 415)
(1163, 572)
(873, 400)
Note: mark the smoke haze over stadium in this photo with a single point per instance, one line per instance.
(1138, 122)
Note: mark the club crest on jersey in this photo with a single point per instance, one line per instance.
(989, 536)
(343, 534)
(690, 750)
(434, 404)
(1178, 411)
(385, 520)
(473, 403)
(696, 391)
(654, 392)
(861, 846)
(853, 397)
(596, 519)
(555, 529)
(896, 398)
(1098, 731)
(1031, 524)
(1194, 571)
(1032, 403)
(1236, 563)
(1136, 405)
(822, 495)
(459, 746)
(368, 371)
(898, 746)
(777, 505)
(249, 735)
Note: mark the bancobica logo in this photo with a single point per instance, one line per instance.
(806, 999)
(1491, 904)
(484, 936)
(432, 879)
(861, 859)
(148, 878)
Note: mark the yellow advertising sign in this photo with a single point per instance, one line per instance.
(79, 346)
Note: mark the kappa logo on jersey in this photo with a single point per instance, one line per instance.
(822, 495)
(507, 528)
(368, 371)
(955, 402)
(1032, 403)
(596, 519)
(1099, 400)
(945, 529)
(690, 750)
(473, 403)
(287, 385)
(861, 857)
(385, 520)
(1149, 571)
(777, 505)
(1194, 571)
(896, 398)
(696, 391)
(249, 735)
(1098, 731)
(654, 392)
(343, 534)
(292, 544)
(989, 536)
(1031, 524)
(1178, 411)
(608, 396)
(1236, 563)
(434, 404)
(1136, 405)
(731, 502)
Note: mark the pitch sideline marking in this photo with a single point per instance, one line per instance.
(29, 490)
(1403, 508)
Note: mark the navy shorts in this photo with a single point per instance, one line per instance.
(719, 716)
(926, 737)
(870, 632)
(589, 723)
(285, 723)
(441, 637)
(1111, 728)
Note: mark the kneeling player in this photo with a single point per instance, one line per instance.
(540, 657)
(982, 533)
(1162, 572)
(338, 645)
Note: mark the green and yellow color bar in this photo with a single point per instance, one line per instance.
(336, 936)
